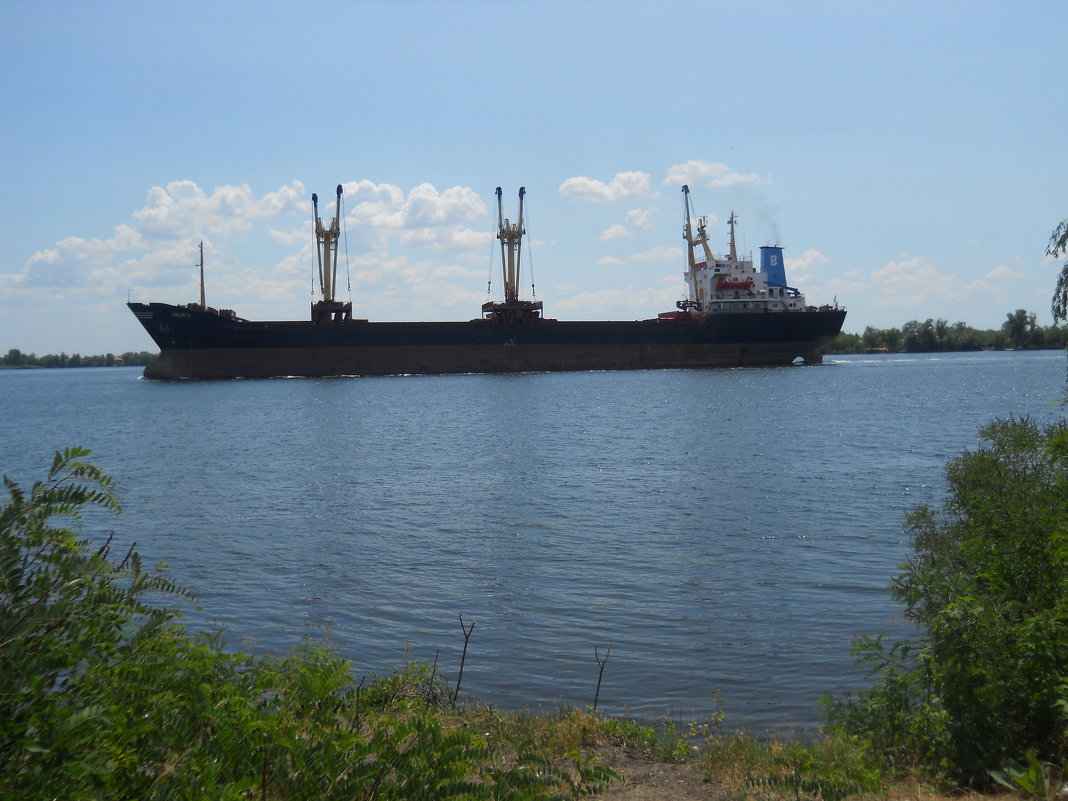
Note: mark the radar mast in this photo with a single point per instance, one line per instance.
(734, 250)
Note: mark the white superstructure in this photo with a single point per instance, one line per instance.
(731, 284)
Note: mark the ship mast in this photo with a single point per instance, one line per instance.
(326, 237)
(203, 304)
(734, 250)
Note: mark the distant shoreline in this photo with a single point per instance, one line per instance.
(16, 359)
(830, 350)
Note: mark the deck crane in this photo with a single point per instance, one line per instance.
(511, 236)
(328, 309)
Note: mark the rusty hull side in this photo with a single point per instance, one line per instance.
(437, 360)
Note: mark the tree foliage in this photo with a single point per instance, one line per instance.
(103, 695)
(1020, 330)
(987, 586)
(1058, 246)
(16, 358)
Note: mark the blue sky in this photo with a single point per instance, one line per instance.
(909, 156)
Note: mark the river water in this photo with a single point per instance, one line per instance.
(726, 532)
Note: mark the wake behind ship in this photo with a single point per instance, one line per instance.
(735, 315)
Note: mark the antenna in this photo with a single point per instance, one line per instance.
(203, 305)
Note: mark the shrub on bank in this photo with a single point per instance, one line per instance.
(984, 687)
(104, 695)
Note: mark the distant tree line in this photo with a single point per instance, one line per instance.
(16, 358)
(1020, 331)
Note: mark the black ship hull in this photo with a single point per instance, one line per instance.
(196, 343)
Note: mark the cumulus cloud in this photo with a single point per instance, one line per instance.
(993, 282)
(910, 281)
(423, 217)
(387, 206)
(456, 271)
(659, 254)
(799, 269)
(183, 209)
(710, 173)
(153, 254)
(158, 246)
(850, 283)
(639, 303)
(1003, 273)
(442, 238)
(637, 218)
(642, 219)
(614, 232)
(623, 185)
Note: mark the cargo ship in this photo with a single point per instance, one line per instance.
(736, 314)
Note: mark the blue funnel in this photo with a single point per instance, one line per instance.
(771, 263)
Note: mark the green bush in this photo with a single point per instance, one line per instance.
(103, 695)
(986, 682)
(830, 768)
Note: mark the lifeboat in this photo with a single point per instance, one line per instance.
(746, 283)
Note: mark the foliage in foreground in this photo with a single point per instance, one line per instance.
(104, 695)
(830, 769)
(985, 687)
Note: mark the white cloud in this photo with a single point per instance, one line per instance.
(158, 247)
(642, 219)
(694, 171)
(385, 206)
(424, 217)
(442, 238)
(806, 260)
(295, 237)
(609, 260)
(1003, 273)
(638, 303)
(183, 209)
(709, 173)
(623, 185)
(911, 281)
(848, 284)
(993, 282)
(614, 232)
(455, 271)
(980, 286)
(800, 269)
(428, 207)
(659, 254)
(638, 218)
